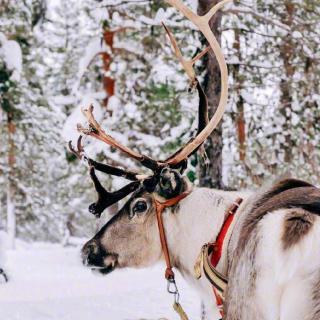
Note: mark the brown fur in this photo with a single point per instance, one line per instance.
(304, 200)
(131, 238)
(286, 194)
(297, 225)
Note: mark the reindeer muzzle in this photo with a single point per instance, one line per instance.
(96, 258)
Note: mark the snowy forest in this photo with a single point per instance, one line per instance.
(57, 57)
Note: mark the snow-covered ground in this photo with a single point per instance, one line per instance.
(48, 282)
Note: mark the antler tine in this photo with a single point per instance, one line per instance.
(213, 10)
(202, 22)
(202, 120)
(79, 145)
(115, 171)
(107, 199)
(200, 55)
(105, 168)
(186, 64)
(188, 67)
(97, 132)
(79, 152)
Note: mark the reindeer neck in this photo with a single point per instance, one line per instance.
(197, 220)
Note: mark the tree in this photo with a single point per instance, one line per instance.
(211, 170)
(10, 70)
(34, 149)
(278, 51)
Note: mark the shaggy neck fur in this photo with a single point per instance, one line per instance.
(195, 221)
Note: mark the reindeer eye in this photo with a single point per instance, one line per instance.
(140, 206)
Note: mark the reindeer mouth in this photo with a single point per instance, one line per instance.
(108, 265)
(103, 270)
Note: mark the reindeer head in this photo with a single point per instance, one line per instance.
(131, 237)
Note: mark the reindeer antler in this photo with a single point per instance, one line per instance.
(97, 132)
(202, 22)
(187, 64)
(105, 198)
(205, 127)
(79, 152)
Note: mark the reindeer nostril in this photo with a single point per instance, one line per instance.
(93, 248)
(89, 252)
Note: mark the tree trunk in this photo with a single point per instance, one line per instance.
(240, 120)
(11, 216)
(287, 55)
(211, 173)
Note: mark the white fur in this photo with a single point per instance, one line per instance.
(286, 275)
(284, 278)
(198, 221)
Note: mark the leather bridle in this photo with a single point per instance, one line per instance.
(206, 261)
(169, 274)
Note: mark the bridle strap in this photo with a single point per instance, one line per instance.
(160, 207)
(169, 274)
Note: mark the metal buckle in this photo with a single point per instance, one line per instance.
(173, 289)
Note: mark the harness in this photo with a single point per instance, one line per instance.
(169, 274)
(210, 256)
(207, 261)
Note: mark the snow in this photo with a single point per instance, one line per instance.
(3, 246)
(160, 16)
(92, 49)
(63, 100)
(69, 131)
(100, 14)
(11, 217)
(131, 110)
(48, 282)
(12, 56)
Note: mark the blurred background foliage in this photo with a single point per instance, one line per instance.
(59, 56)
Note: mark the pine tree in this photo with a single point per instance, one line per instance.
(278, 89)
(211, 170)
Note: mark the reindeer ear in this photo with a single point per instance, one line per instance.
(171, 183)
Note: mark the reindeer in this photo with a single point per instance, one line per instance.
(266, 244)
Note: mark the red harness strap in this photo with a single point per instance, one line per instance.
(217, 250)
(218, 245)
